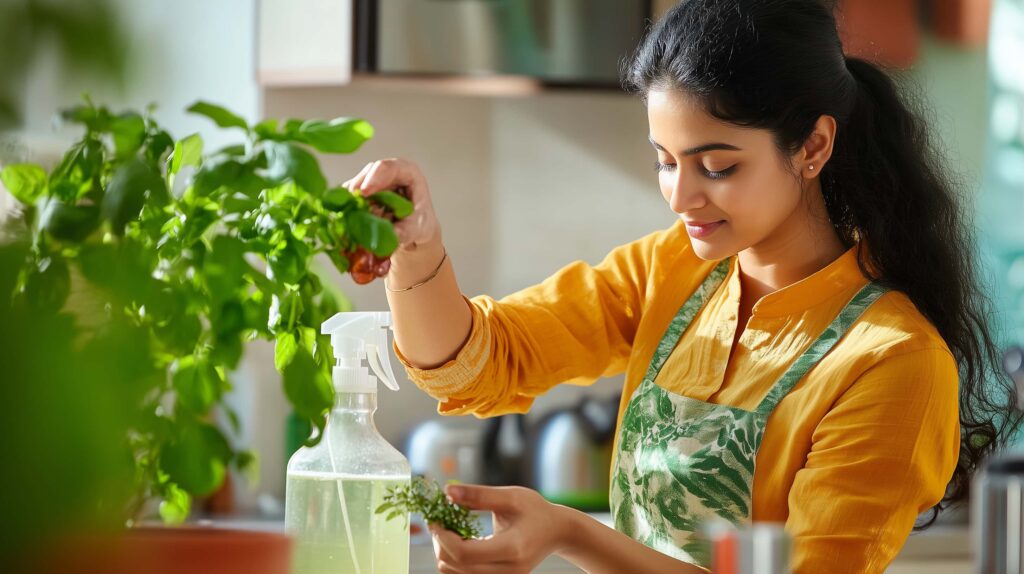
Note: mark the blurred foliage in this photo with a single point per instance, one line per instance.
(145, 263)
(67, 404)
(86, 36)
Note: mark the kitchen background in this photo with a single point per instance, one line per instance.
(527, 174)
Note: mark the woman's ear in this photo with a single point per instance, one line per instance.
(817, 148)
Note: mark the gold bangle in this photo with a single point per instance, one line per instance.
(424, 282)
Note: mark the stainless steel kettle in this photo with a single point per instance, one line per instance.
(998, 515)
(570, 452)
(997, 511)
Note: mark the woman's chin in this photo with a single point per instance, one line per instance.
(711, 250)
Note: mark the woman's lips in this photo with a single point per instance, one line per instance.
(699, 230)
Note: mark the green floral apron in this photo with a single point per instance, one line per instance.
(681, 462)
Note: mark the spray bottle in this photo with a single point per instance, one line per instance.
(334, 488)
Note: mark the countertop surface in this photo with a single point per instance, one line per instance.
(942, 546)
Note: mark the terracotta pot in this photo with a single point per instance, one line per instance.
(962, 21)
(180, 550)
(883, 31)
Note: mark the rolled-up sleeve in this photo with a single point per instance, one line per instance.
(575, 327)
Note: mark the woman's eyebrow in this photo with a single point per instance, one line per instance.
(699, 149)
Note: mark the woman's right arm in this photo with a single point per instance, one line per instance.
(487, 357)
(432, 321)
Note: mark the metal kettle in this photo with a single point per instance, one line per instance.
(998, 501)
(570, 452)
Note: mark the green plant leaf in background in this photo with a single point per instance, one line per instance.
(289, 162)
(221, 116)
(197, 459)
(69, 222)
(197, 383)
(133, 184)
(340, 135)
(285, 347)
(129, 131)
(176, 505)
(26, 182)
(48, 284)
(187, 152)
(308, 388)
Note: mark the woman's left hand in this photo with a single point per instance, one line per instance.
(527, 529)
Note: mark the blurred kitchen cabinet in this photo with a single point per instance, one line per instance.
(304, 43)
(962, 21)
(885, 32)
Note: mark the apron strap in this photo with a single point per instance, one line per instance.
(822, 345)
(685, 316)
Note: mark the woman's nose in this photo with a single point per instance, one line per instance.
(685, 195)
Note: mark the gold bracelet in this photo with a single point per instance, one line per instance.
(424, 282)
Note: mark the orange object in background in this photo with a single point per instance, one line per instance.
(962, 21)
(724, 555)
(885, 32)
(160, 550)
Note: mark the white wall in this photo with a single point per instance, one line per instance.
(178, 52)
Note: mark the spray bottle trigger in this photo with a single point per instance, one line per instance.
(379, 361)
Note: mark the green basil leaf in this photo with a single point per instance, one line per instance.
(25, 181)
(197, 383)
(69, 222)
(175, 506)
(133, 184)
(285, 348)
(372, 232)
(267, 129)
(308, 388)
(289, 262)
(221, 116)
(289, 162)
(196, 460)
(187, 151)
(398, 205)
(225, 267)
(129, 131)
(218, 172)
(337, 198)
(340, 135)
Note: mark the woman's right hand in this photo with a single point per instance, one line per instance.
(421, 227)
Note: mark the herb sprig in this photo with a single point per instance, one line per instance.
(427, 498)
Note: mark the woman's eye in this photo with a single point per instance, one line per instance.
(721, 174)
(659, 167)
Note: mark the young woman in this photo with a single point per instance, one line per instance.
(805, 345)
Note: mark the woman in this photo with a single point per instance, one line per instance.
(806, 345)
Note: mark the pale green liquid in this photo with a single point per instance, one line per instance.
(323, 545)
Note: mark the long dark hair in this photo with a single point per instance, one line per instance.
(779, 65)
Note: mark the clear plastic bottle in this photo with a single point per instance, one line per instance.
(334, 488)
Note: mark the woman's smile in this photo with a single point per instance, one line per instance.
(702, 229)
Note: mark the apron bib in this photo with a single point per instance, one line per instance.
(681, 462)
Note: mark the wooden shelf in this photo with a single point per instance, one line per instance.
(454, 85)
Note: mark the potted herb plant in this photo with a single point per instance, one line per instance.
(153, 260)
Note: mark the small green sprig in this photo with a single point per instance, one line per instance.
(427, 498)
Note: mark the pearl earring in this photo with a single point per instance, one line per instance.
(812, 168)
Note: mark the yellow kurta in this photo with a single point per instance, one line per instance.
(850, 457)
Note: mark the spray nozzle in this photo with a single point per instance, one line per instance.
(356, 336)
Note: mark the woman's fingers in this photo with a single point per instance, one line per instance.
(357, 181)
(452, 548)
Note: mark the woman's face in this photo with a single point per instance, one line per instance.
(729, 184)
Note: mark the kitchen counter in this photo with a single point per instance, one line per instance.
(941, 549)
